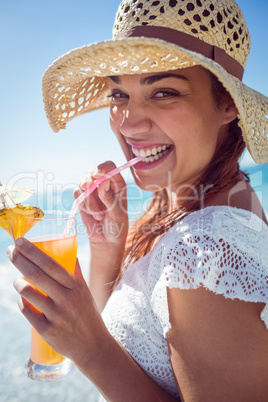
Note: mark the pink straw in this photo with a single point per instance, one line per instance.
(98, 181)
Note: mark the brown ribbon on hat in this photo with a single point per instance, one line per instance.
(188, 42)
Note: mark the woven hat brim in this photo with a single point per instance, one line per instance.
(76, 83)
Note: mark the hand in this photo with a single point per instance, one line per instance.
(71, 324)
(67, 317)
(104, 212)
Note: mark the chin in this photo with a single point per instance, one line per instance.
(147, 184)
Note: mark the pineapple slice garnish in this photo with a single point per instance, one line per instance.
(18, 220)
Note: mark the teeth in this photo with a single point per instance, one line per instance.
(141, 153)
(151, 155)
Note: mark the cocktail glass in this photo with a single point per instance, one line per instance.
(56, 235)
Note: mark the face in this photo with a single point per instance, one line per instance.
(172, 120)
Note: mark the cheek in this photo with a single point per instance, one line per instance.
(115, 120)
(195, 135)
(115, 126)
(203, 127)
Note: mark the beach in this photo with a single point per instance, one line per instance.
(15, 330)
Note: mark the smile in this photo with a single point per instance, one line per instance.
(151, 155)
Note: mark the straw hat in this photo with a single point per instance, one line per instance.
(150, 36)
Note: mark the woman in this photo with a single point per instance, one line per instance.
(185, 290)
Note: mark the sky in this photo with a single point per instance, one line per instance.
(32, 35)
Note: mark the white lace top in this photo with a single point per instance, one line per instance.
(224, 249)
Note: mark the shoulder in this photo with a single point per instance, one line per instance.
(221, 222)
(214, 226)
(241, 196)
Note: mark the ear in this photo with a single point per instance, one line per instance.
(230, 112)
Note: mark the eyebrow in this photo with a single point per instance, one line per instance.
(151, 79)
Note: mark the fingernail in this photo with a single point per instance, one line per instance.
(98, 216)
(9, 251)
(18, 283)
(107, 185)
(97, 173)
(85, 184)
(19, 241)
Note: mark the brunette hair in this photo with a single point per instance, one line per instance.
(222, 172)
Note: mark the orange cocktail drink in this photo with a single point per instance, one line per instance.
(63, 249)
(54, 234)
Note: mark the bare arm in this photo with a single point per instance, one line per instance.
(218, 347)
(120, 379)
(104, 268)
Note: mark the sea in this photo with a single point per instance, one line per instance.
(15, 386)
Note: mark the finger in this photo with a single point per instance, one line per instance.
(95, 204)
(85, 183)
(34, 316)
(106, 167)
(92, 205)
(112, 192)
(83, 206)
(38, 299)
(32, 263)
(87, 179)
(107, 195)
(77, 192)
(35, 275)
(114, 199)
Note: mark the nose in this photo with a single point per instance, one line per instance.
(134, 121)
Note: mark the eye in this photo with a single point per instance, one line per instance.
(165, 93)
(117, 96)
